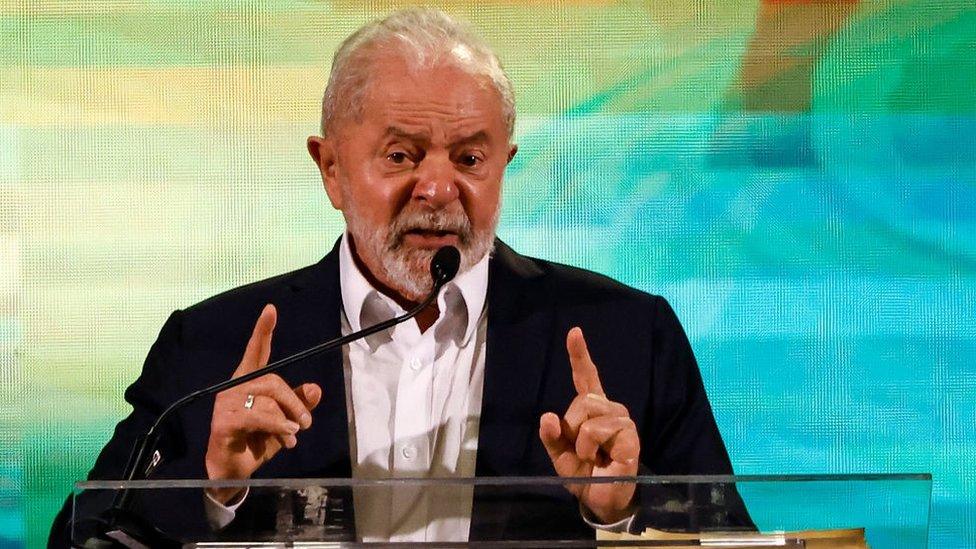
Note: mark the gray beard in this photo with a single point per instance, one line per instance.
(407, 269)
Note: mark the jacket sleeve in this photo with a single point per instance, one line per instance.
(681, 438)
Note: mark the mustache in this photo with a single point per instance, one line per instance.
(456, 222)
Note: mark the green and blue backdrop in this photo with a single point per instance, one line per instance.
(796, 177)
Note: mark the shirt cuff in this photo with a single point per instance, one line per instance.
(218, 514)
(621, 526)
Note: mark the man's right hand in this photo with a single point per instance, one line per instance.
(241, 438)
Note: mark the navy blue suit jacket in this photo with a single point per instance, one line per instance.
(642, 353)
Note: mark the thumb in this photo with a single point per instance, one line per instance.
(550, 432)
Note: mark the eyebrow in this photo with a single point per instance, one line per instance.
(478, 136)
(401, 133)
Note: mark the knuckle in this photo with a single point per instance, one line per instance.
(290, 405)
(585, 450)
(266, 424)
(292, 398)
(279, 383)
(255, 386)
(275, 378)
(270, 409)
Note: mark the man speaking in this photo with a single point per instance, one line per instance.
(520, 367)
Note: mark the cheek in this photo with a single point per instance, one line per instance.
(376, 196)
(482, 200)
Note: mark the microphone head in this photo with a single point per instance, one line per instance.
(445, 264)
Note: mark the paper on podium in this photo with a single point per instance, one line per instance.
(852, 538)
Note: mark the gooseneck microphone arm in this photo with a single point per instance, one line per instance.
(443, 268)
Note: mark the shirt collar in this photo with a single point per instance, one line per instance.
(356, 290)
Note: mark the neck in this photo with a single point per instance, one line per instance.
(425, 319)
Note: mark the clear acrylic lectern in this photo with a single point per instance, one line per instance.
(877, 511)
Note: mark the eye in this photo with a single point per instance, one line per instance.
(398, 157)
(469, 160)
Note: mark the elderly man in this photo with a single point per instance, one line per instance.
(495, 378)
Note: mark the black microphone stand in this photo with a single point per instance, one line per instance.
(443, 268)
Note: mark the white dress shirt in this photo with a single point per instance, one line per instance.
(414, 403)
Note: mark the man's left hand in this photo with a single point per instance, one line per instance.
(594, 438)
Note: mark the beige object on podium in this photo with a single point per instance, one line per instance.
(852, 538)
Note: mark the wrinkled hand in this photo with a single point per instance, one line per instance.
(242, 439)
(594, 438)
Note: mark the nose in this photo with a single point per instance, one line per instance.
(435, 183)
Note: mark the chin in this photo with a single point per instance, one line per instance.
(409, 273)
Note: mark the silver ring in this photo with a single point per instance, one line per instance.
(249, 402)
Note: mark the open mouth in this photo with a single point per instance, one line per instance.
(431, 238)
(432, 233)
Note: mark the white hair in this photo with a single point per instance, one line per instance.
(424, 37)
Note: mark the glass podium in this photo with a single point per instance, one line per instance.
(812, 511)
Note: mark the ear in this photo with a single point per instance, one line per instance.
(511, 153)
(324, 154)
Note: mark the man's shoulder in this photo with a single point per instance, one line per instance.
(573, 284)
(278, 289)
(577, 279)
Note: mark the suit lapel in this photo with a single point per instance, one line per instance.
(519, 334)
(324, 451)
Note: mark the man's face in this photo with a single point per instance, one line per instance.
(421, 169)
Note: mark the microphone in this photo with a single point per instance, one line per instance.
(445, 264)
(142, 461)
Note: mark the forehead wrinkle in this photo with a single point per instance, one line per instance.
(452, 127)
(434, 107)
(453, 113)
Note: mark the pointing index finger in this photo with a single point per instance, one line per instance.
(258, 348)
(585, 377)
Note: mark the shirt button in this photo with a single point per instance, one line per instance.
(415, 363)
(409, 452)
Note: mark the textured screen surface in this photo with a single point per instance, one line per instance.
(797, 178)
